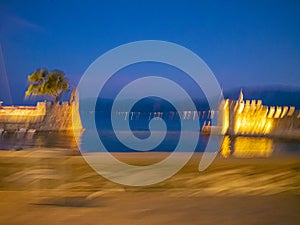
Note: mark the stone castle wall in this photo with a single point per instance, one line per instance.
(45, 116)
(60, 117)
(253, 118)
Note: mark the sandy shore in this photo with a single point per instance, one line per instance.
(56, 186)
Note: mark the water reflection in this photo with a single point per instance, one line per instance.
(239, 147)
(27, 140)
(247, 147)
(226, 147)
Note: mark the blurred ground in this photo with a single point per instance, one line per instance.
(56, 186)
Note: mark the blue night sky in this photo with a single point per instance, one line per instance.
(245, 43)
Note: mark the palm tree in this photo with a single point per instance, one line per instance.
(52, 83)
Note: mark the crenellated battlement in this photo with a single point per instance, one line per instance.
(24, 114)
(251, 117)
(45, 116)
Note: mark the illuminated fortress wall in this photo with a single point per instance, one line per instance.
(23, 114)
(251, 117)
(45, 116)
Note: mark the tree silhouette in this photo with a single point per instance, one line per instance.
(43, 82)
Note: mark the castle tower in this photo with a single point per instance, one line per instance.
(74, 95)
(235, 111)
(74, 102)
(241, 96)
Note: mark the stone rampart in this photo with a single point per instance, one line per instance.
(45, 116)
(252, 118)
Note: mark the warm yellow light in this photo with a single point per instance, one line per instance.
(268, 127)
(225, 117)
(225, 148)
(246, 147)
(252, 121)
